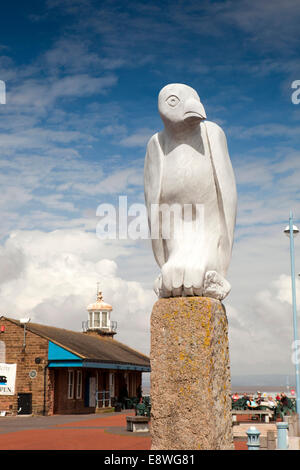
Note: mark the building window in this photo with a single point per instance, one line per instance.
(70, 384)
(2, 351)
(104, 320)
(79, 384)
(96, 319)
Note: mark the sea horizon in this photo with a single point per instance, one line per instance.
(249, 389)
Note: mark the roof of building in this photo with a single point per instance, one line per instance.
(87, 347)
(99, 304)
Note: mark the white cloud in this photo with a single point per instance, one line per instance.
(117, 182)
(268, 187)
(261, 331)
(266, 130)
(259, 306)
(40, 138)
(42, 93)
(271, 25)
(74, 55)
(138, 139)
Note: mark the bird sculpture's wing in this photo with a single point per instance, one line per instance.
(225, 186)
(152, 186)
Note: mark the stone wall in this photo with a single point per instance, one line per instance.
(36, 350)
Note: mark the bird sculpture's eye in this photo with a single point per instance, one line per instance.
(172, 101)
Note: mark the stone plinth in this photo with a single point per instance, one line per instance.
(190, 375)
(137, 423)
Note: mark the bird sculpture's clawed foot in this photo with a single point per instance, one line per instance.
(215, 286)
(162, 291)
(159, 290)
(157, 285)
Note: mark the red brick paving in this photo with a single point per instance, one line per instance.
(77, 436)
(240, 445)
(107, 421)
(71, 439)
(91, 434)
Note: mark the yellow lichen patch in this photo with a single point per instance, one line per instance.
(181, 356)
(184, 357)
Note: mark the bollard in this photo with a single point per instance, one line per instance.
(282, 443)
(253, 438)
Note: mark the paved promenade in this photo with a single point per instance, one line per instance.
(105, 431)
(71, 432)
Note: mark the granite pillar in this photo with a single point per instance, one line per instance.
(190, 375)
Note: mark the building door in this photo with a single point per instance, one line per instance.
(92, 391)
(24, 403)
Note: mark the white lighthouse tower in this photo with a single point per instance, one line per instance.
(99, 318)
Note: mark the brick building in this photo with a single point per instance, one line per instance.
(49, 370)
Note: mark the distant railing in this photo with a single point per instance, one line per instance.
(112, 327)
(103, 399)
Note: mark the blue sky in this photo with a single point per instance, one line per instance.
(82, 81)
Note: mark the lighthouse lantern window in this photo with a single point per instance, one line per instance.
(96, 319)
(104, 320)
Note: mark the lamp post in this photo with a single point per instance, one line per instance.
(291, 231)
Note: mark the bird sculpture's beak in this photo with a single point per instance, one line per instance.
(194, 109)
